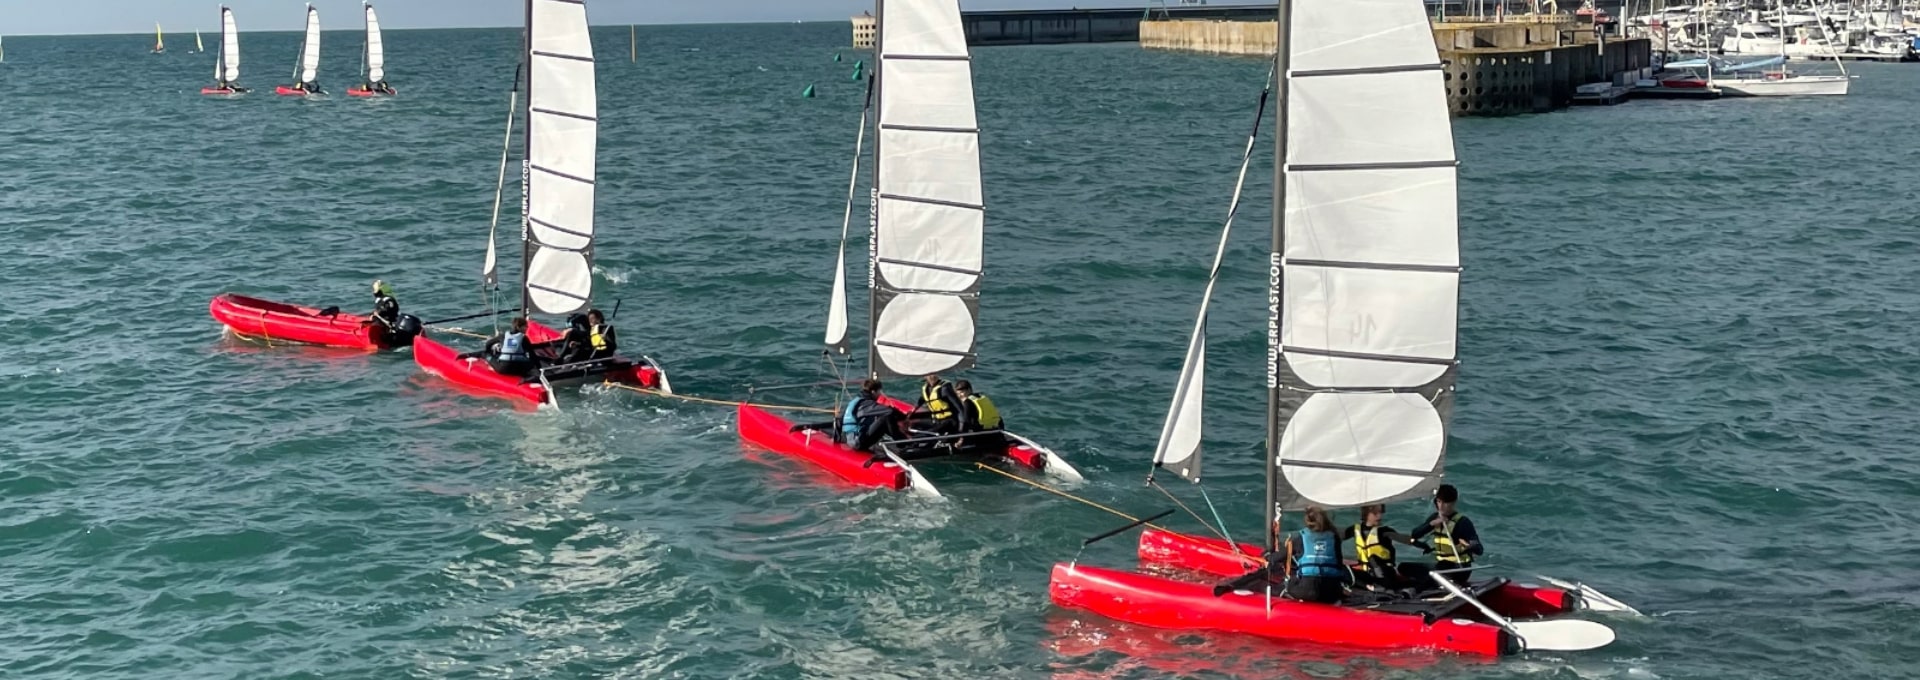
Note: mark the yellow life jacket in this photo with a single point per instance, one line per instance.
(1443, 548)
(1368, 548)
(930, 395)
(597, 337)
(989, 416)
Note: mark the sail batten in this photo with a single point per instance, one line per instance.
(1367, 257)
(376, 49)
(562, 140)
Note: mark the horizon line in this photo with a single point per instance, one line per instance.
(386, 29)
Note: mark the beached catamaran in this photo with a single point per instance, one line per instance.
(226, 68)
(925, 261)
(1363, 288)
(373, 62)
(557, 221)
(307, 67)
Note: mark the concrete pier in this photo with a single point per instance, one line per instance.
(1521, 65)
(1060, 26)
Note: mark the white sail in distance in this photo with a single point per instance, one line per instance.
(376, 51)
(310, 47)
(229, 47)
(1369, 277)
(927, 248)
(562, 137)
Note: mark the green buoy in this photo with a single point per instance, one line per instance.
(836, 57)
(857, 67)
(808, 93)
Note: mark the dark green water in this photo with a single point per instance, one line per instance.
(1687, 339)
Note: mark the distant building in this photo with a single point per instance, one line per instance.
(863, 28)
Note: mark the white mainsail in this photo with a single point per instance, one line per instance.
(376, 51)
(1368, 279)
(310, 48)
(562, 129)
(228, 67)
(927, 249)
(198, 46)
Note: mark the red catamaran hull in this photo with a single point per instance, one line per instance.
(218, 90)
(357, 92)
(281, 322)
(772, 432)
(1211, 556)
(1179, 605)
(285, 91)
(476, 375)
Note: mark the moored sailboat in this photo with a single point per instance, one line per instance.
(926, 255)
(306, 69)
(373, 62)
(226, 68)
(1363, 288)
(557, 220)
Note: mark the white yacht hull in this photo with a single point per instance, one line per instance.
(1792, 86)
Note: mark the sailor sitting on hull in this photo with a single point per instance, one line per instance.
(937, 412)
(862, 422)
(1454, 541)
(380, 87)
(1373, 553)
(978, 414)
(1318, 573)
(600, 337)
(509, 353)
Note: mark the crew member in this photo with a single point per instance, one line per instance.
(386, 313)
(1318, 573)
(1454, 543)
(937, 407)
(1373, 551)
(864, 420)
(572, 344)
(509, 353)
(600, 335)
(978, 414)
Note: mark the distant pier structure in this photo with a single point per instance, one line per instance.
(1060, 26)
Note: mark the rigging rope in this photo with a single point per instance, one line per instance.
(717, 402)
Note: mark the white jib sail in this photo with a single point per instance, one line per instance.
(376, 51)
(310, 49)
(836, 338)
(229, 46)
(1371, 265)
(928, 241)
(562, 127)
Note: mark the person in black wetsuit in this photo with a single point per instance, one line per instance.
(1454, 542)
(862, 422)
(1373, 552)
(600, 336)
(509, 353)
(386, 313)
(572, 345)
(1318, 573)
(938, 409)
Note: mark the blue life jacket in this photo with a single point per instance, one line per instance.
(1317, 554)
(513, 347)
(849, 424)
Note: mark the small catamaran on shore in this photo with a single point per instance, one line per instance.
(928, 222)
(373, 63)
(1363, 296)
(557, 220)
(226, 68)
(306, 69)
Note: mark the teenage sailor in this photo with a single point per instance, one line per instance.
(937, 407)
(572, 345)
(1454, 542)
(600, 336)
(509, 353)
(865, 419)
(386, 312)
(1313, 553)
(978, 414)
(1373, 552)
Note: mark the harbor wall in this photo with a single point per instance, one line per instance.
(1529, 65)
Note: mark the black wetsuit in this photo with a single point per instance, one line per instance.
(1462, 531)
(385, 317)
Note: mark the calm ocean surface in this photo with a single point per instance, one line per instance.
(1688, 344)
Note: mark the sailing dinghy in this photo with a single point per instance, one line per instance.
(159, 40)
(373, 62)
(198, 46)
(307, 68)
(557, 222)
(226, 68)
(925, 265)
(1363, 291)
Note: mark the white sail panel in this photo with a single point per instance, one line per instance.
(310, 55)
(376, 50)
(929, 235)
(1404, 216)
(1405, 317)
(1348, 449)
(836, 337)
(912, 324)
(1359, 34)
(1370, 118)
(562, 129)
(229, 46)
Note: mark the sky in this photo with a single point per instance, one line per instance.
(40, 17)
